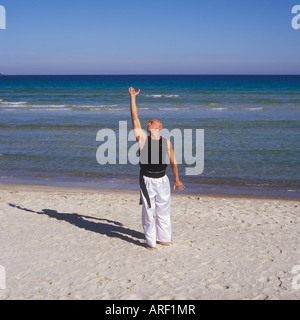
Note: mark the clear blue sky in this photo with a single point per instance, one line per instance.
(149, 37)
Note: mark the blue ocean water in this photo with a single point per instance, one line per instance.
(48, 128)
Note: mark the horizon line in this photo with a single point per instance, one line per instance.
(154, 74)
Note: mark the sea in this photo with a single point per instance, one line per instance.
(251, 125)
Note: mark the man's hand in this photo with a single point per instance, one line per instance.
(140, 135)
(132, 92)
(179, 185)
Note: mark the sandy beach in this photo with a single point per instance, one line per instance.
(68, 243)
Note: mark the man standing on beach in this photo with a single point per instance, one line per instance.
(154, 183)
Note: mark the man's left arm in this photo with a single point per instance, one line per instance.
(174, 167)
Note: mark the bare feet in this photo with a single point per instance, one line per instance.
(166, 244)
(151, 248)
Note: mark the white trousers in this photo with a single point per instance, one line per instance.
(160, 198)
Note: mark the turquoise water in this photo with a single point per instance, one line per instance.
(48, 128)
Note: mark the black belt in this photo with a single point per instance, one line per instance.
(143, 186)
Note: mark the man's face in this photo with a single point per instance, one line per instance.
(154, 125)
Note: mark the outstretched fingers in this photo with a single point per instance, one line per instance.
(132, 92)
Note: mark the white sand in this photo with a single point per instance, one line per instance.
(63, 243)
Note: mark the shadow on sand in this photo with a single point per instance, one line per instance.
(106, 227)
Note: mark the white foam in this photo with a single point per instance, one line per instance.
(231, 109)
(107, 109)
(13, 103)
(162, 95)
(62, 107)
(154, 95)
(253, 109)
(49, 109)
(219, 109)
(214, 109)
(96, 106)
(174, 108)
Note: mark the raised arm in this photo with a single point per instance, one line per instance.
(136, 124)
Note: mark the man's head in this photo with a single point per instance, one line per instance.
(154, 124)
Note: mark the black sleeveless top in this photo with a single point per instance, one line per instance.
(153, 163)
(153, 156)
